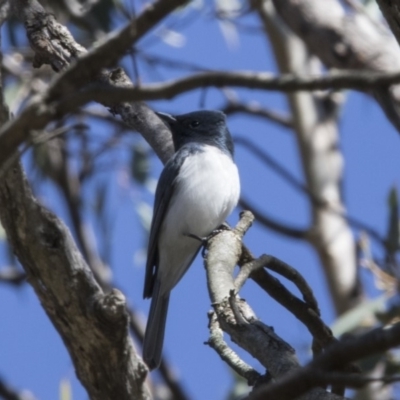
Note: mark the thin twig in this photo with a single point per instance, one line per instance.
(302, 188)
(309, 316)
(216, 341)
(254, 109)
(295, 277)
(267, 221)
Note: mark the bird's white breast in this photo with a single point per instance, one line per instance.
(207, 190)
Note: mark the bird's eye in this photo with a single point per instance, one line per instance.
(194, 124)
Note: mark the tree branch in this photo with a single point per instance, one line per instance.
(315, 120)
(85, 69)
(69, 185)
(236, 107)
(346, 41)
(305, 311)
(216, 341)
(294, 232)
(44, 109)
(337, 356)
(268, 222)
(236, 317)
(93, 325)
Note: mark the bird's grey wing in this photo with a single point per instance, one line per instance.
(164, 192)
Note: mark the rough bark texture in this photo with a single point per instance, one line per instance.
(57, 48)
(318, 370)
(93, 325)
(237, 318)
(340, 41)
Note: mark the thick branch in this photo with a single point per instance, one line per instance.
(86, 69)
(350, 79)
(236, 317)
(345, 41)
(317, 136)
(337, 356)
(93, 325)
(42, 109)
(70, 187)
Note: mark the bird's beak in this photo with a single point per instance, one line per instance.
(167, 118)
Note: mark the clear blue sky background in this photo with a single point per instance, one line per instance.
(32, 355)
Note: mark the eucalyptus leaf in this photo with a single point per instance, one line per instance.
(355, 317)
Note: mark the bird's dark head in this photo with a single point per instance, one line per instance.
(203, 127)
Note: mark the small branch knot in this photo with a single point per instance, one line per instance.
(118, 77)
(112, 306)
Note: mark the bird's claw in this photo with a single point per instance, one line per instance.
(204, 240)
(193, 236)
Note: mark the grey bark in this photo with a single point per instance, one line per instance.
(92, 324)
(237, 318)
(315, 124)
(346, 41)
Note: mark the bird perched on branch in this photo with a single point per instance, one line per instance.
(198, 188)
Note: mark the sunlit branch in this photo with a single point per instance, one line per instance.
(44, 109)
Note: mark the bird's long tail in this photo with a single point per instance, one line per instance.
(154, 336)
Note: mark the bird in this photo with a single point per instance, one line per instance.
(197, 190)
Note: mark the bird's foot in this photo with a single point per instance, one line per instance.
(205, 239)
(223, 227)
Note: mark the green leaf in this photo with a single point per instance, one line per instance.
(364, 312)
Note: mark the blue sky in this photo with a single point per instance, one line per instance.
(32, 354)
